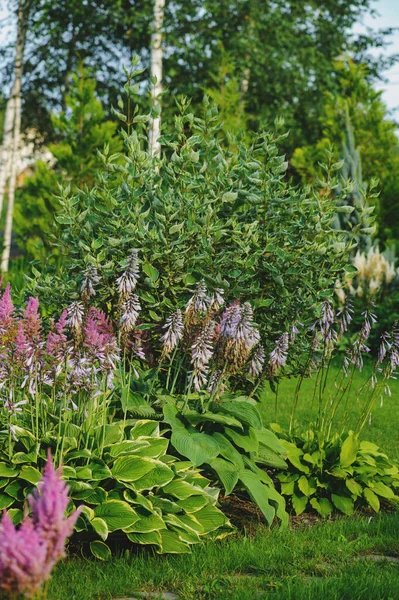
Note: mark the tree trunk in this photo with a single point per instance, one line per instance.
(156, 72)
(14, 146)
(6, 147)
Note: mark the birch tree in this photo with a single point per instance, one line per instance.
(156, 76)
(12, 136)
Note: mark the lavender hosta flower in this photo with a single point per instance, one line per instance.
(23, 558)
(75, 314)
(173, 328)
(217, 299)
(237, 336)
(201, 354)
(384, 347)
(128, 280)
(199, 301)
(129, 313)
(48, 504)
(294, 331)
(90, 279)
(257, 362)
(344, 318)
(278, 356)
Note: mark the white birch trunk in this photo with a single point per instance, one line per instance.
(6, 147)
(156, 71)
(14, 150)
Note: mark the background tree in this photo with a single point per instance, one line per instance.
(79, 132)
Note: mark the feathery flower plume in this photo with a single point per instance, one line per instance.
(199, 301)
(278, 356)
(173, 328)
(7, 320)
(128, 280)
(48, 504)
(129, 313)
(201, 354)
(217, 299)
(90, 279)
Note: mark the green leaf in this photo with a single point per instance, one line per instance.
(354, 487)
(30, 474)
(153, 537)
(171, 543)
(209, 417)
(322, 505)
(151, 271)
(160, 475)
(146, 524)
(343, 503)
(176, 228)
(210, 518)
(249, 442)
(372, 499)
(6, 471)
(227, 473)
(349, 450)
(5, 501)
(193, 503)
(100, 527)
(269, 439)
(227, 450)
(100, 550)
(244, 412)
(299, 503)
(307, 486)
(180, 489)
(117, 514)
(382, 490)
(198, 447)
(258, 492)
(267, 457)
(131, 468)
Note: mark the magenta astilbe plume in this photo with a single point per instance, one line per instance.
(7, 320)
(57, 340)
(48, 504)
(23, 558)
(28, 554)
(31, 319)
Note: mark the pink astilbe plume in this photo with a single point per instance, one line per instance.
(23, 558)
(57, 340)
(48, 504)
(28, 554)
(31, 319)
(8, 328)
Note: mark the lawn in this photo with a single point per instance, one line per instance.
(355, 558)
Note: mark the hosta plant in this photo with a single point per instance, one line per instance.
(339, 474)
(126, 484)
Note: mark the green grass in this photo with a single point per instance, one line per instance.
(326, 561)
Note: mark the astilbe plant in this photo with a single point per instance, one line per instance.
(29, 553)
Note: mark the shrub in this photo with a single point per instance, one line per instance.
(202, 212)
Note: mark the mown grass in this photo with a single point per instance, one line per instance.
(331, 560)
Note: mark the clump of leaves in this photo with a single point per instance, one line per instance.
(338, 474)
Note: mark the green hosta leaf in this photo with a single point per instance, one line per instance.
(172, 544)
(6, 501)
(198, 447)
(299, 503)
(343, 503)
(193, 503)
(265, 456)
(180, 489)
(127, 447)
(30, 474)
(372, 499)
(210, 518)
(382, 490)
(109, 433)
(229, 196)
(267, 438)
(244, 412)
(227, 473)
(322, 505)
(100, 550)
(131, 468)
(160, 475)
(146, 524)
(258, 492)
(354, 487)
(228, 451)
(14, 489)
(153, 537)
(154, 448)
(248, 442)
(349, 451)
(100, 527)
(144, 427)
(117, 514)
(288, 488)
(194, 418)
(294, 456)
(6, 471)
(307, 486)
(151, 271)
(16, 515)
